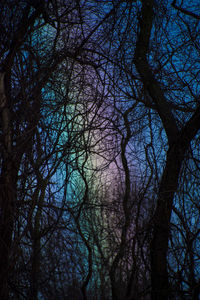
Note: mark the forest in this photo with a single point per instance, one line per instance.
(99, 150)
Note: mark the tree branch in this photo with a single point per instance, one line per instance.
(151, 85)
(185, 11)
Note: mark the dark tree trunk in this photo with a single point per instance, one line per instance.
(35, 269)
(6, 228)
(7, 192)
(161, 226)
(161, 222)
(178, 141)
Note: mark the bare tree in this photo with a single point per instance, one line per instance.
(146, 55)
(99, 162)
(35, 44)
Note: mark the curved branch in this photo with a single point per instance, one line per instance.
(151, 85)
(185, 11)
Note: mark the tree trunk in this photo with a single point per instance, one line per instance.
(178, 141)
(161, 226)
(7, 193)
(6, 228)
(162, 216)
